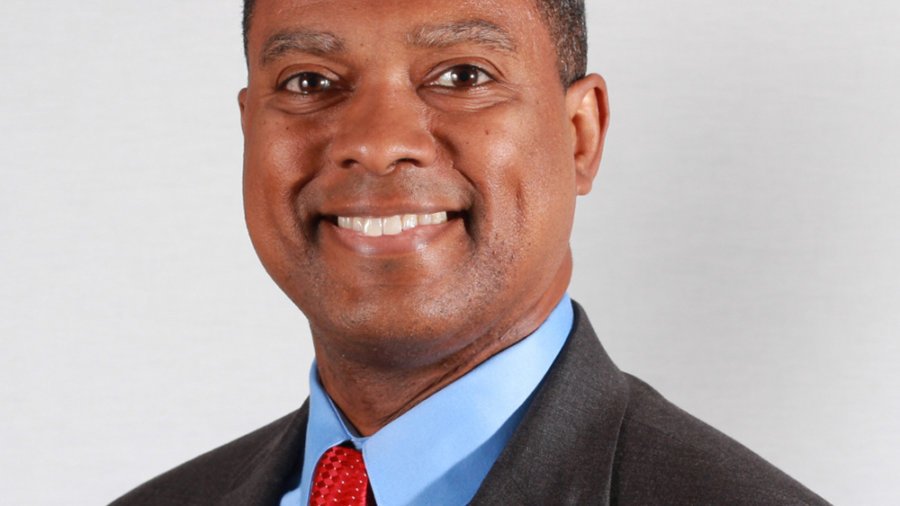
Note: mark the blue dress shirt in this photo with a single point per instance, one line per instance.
(439, 452)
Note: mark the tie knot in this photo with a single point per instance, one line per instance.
(340, 478)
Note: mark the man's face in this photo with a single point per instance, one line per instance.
(360, 114)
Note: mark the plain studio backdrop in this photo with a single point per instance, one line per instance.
(739, 250)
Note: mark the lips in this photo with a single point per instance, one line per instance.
(377, 226)
(374, 234)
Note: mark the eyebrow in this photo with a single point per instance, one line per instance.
(301, 41)
(476, 31)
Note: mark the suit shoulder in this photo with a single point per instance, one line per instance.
(664, 452)
(212, 474)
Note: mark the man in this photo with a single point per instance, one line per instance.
(411, 169)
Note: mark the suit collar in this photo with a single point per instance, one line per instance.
(263, 479)
(566, 443)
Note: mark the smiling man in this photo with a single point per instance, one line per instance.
(410, 175)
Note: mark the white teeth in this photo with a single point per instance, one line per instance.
(390, 225)
(372, 227)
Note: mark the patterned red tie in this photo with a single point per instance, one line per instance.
(340, 479)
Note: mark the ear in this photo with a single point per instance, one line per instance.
(588, 109)
(242, 103)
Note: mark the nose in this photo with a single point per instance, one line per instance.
(381, 129)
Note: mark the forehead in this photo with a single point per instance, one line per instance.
(506, 22)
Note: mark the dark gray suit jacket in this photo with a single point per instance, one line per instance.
(592, 435)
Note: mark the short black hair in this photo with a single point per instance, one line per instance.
(565, 20)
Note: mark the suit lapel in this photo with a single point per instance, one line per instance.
(265, 476)
(563, 451)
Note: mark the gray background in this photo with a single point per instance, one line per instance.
(739, 251)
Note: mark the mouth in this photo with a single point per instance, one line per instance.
(377, 226)
(392, 234)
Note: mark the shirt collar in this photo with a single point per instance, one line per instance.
(443, 447)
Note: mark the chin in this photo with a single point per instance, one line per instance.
(405, 333)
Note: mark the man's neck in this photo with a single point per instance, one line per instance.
(371, 396)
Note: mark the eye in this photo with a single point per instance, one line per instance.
(462, 76)
(307, 83)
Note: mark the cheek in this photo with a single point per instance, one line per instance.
(529, 187)
(280, 159)
(519, 162)
(281, 154)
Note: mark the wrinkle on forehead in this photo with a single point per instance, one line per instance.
(321, 41)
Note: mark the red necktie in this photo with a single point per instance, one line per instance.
(340, 479)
